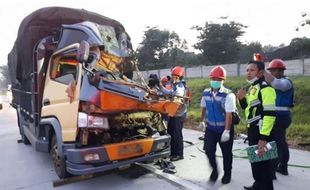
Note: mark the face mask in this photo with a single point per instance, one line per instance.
(253, 80)
(216, 84)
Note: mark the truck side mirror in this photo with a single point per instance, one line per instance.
(83, 52)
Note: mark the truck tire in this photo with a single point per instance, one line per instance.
(59, 162)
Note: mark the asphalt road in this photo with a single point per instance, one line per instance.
(21, 167)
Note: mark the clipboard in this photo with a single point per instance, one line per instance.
(270, 154)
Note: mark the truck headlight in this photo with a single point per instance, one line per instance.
(91, 157)
(92, 121)
(82, 120)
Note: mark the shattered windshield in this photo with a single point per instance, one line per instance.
(114, 46)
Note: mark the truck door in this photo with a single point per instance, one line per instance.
(61, 92)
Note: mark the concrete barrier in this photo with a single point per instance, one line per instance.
(294, 68)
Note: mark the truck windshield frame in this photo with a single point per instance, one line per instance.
(64, 68)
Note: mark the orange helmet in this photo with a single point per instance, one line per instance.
(276, 64)
(257, 57)
(218, 72)
(178, 71)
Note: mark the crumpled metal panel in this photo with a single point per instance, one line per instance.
(111, 97)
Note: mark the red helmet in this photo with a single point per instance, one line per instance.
(257, 57)
(276, 64)
(218, 72)
(178, 71)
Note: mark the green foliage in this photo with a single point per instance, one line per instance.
(301, 99)
(218, 42)
(301, 119)
(164, 49)
(299, 132)
(247, 50)
(301, 45)
(160, 48)
(269, 48)
(152, 46)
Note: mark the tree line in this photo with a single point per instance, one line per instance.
(217, 44)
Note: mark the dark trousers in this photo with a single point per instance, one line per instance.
(175, 131)
(262, 171)
(279, 135)
(211, 140)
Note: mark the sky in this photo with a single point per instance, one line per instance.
(269, 21)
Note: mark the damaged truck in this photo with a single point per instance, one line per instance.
(73, 96)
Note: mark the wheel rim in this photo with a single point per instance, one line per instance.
(56, 159)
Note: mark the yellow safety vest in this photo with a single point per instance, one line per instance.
(260, 109)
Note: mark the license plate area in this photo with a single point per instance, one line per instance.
(130, 149)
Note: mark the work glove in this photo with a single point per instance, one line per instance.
(202, 125)
(225, 136)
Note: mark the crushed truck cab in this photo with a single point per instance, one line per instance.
(73, 98)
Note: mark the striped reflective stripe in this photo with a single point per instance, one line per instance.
(207, 98)
(249, 121)
(216, 123)
(218, 98)
(269, 108)
(278, 108)
(260, 124)
(255, 102)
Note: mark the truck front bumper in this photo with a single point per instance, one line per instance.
(77, 164)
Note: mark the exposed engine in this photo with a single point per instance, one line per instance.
(124, 127)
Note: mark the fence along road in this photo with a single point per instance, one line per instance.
(293, 68)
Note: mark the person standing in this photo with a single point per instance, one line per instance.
(217, 105)
(259, 106)
(175, 123)
(285, 100)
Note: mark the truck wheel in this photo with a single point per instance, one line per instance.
(59, 162)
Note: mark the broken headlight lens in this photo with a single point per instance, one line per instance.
(91, 121)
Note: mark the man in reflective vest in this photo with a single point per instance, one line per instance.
(175, 124)
(259, 106)
(217, 105)
(285, 96)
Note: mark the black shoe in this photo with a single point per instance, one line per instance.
(282, 170)
(176, 158)
(226, 178)
(214, 175)
(249, 187)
